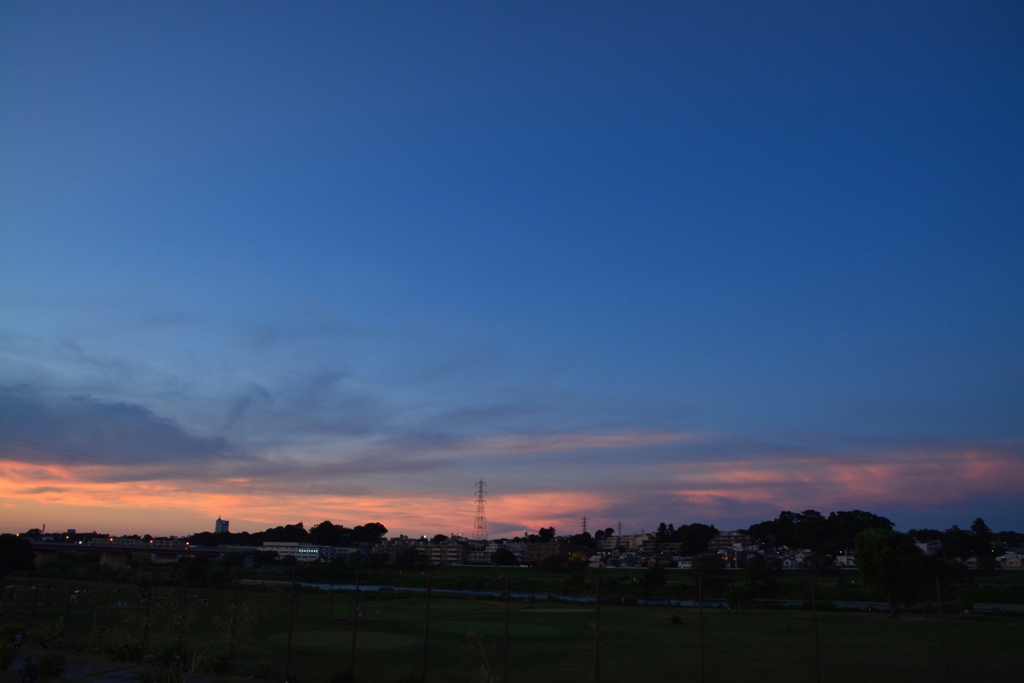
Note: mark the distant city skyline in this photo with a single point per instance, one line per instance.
(691, 263)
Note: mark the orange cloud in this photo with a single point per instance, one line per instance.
(712, 489)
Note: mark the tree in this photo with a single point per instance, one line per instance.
(981, 529)
(654, 577)
(552, 563)
(583, 539)
(290, 533)
(758, 573)
(15, 554)
(890, 562)
(327, 533)
(981, 544)
(547, 534)
(843, 527)
(693, 538)
(819, 563)
(925, 535)
(369, 533)
(576, 562)
(957, 543)
(407, 557)
(503, 557)
(810, 529)
(265, 557)
(708, 568)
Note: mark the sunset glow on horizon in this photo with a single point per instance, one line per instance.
(707, 490)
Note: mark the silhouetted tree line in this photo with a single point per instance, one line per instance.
(693, 538)
(324, 533)
(812, 530)
(545, 535)
(15, 554)
(979, 541)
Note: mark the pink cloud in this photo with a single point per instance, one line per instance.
(921, 478)
(915, 478)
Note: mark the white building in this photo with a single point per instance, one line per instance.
(220, 526)
(303, 552)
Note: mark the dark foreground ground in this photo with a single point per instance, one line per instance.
(118, 631)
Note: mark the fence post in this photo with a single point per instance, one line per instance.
(505, 668)
(291, 625)
(597, 629)
(814, 621)
(35, 601)
(184, 592)
(942, 632)
(67, 605)
(103, 614)
(700, 621)
(355, 630)
(67, 608)
(145, 623)
(426, 629)
(234, 617)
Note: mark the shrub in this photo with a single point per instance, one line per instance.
(51, 664)
(341, 677)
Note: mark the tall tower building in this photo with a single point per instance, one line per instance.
(480, 522)
(220, 526)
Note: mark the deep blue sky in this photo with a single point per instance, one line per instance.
(365, 245)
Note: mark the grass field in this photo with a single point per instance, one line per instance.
(548, 641)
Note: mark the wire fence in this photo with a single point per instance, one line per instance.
(289, 632)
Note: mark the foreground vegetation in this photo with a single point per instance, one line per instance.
(240, 629)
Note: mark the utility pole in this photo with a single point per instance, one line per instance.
(584, 524)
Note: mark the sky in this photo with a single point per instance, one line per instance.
(635, 262)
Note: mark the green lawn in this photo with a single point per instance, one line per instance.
(548, 641)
